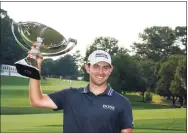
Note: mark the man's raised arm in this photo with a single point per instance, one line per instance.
(36, 97)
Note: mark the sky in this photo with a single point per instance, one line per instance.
(84, 21)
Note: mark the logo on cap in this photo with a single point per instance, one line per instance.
(101, 55)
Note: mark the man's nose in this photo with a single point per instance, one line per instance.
(101, 71)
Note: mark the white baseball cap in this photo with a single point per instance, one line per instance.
(99, 55)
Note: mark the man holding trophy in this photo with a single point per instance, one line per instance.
(94, 108)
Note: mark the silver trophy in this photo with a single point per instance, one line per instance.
(49, 43)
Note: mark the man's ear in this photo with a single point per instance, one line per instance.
(87, 68)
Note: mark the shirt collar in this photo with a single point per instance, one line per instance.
(108, 91)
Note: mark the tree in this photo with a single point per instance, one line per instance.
(126, 75)
(66, 67)
(181, 37)
(178, 85)
(157, 43)
(168, 83)
(147, 68)
(10, 50)
(78, 60)
(47, 67)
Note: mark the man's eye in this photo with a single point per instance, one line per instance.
(106, 67)
(95, 66)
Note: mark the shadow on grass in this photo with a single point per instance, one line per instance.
(25, 110)
(148, 105)
(171, 129)
(17, 93)
(59, 125)
(161, 129)
(11, 80)
(137, 103)
(134, 98)
(34, 110)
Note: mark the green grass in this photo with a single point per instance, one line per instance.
(18, 116)
(158, 120)
(14, 94)
(18, 81)
(6, 80)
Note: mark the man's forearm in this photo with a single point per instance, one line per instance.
(35, 92)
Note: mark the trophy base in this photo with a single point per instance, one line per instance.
(27, 70)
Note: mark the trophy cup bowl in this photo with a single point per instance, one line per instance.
(49, 43)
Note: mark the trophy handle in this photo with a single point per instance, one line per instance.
(70, 40)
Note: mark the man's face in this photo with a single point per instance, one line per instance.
(99, 72)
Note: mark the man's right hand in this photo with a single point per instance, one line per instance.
(39, 57)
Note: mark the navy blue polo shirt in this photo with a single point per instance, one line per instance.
(85, 112)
